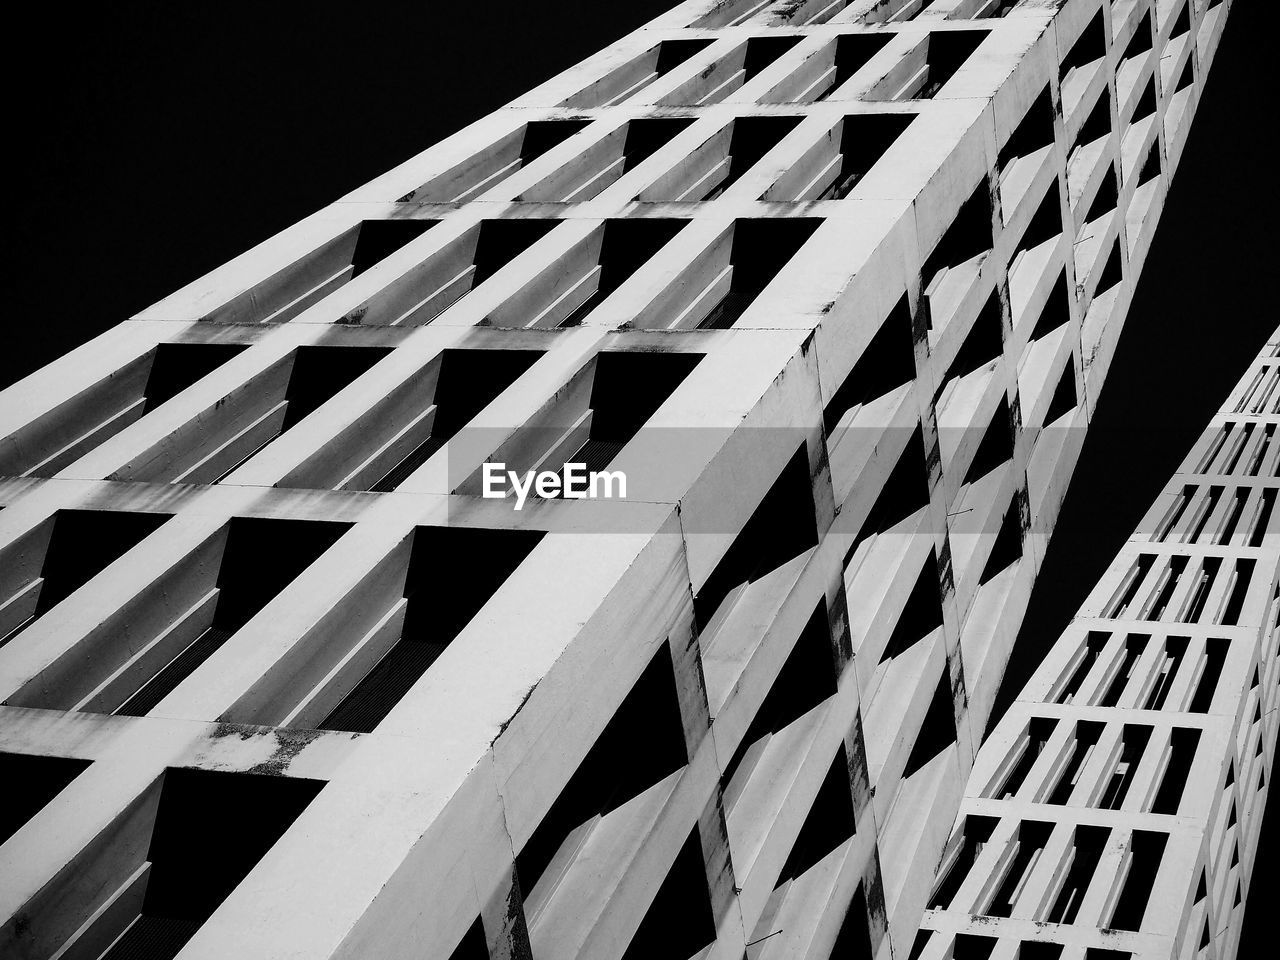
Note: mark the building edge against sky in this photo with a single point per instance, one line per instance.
(851, 274)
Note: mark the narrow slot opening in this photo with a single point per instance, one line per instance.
(1086, 738)
(959, 857)
(1030, 746)
(1144, 855)
(1215, 657)
(1133, 741)
(1134, 645)
(1093, 646)
(1029, 840)
(1086, 851)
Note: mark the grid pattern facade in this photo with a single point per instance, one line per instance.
(1115, 810)
(834, 284)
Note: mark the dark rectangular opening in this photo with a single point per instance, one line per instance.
(853, 51)
(1263, 520)
(762, 51)
(641, 745)
(83, 543)
(453, 572)
(501, 241)
(1064, 398)
(262, 556)
(1175, 649)
(945, 53)
(1090, 46)
(887, 363)
(922, 613)
(938, 730)
(996, 446)
(1129, 587)
(864, 139)
(626, 245)
(1046, 223)
(1093, 645)
(679, 921)
(1215, 657)
(829, 823)
(319, 373)
(193, 870)
(1140, 42)
(853, 942)
(378, 239)
(1241, 577)
(984, 343)
(626, 390)
(1151, 165)
(1030, 747)
(1086, 737)
(806, 679)
(972, 946)
(1034, 131)
(968, 236)
(760, 249)
(468, 381)
(1057, 309)
(1086, 851)
(905, 492)
(31, 782)
(1133, 741)
(1146, 105)
(1134, 645)
(1182, 752)
(750, 139)
(1145, 852)
(781, 528)
(1030, 838)
(178, 365)
(1008, 548)
(647, 136)
(959, 858)
(1098, 123)
(1107, 197)
(1112, 273)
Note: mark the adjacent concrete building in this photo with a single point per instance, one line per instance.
(834, 284)
(1115, 809)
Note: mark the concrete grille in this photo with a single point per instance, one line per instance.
(834, 284)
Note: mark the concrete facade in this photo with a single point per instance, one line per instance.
(1115, 810)
(835, 284)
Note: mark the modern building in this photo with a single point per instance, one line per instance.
(1115, 809)
(833, 285)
